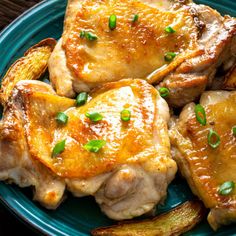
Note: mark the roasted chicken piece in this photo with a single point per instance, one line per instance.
(215, 49)
(206, 154)
(128, 174)
(185, 56)
(131, 50)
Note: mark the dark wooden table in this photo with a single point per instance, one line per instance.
(9, 224)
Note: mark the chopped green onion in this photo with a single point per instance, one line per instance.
(94, 145)
(81, 99)
(169, 56)
(169, 30)
(213, 135)
(234, 130)
(88, 35)
(112, 22)
(94, 116)
(82, 34)
(125, 115)
(59, 148)
(135, 18)
(61, 118)
(226, 188)
(164, 92)
(200, 114)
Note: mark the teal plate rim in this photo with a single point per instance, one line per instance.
(8, 204)
(25, 215)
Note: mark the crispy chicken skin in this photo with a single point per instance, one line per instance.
(16, 163)
(131, 50)
(215, 49)
(128, 176)
(204, 167)
(203, 42)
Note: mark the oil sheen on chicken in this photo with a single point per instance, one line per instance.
(128, 176)
(202, 42)
(132, 50)
(204, 167)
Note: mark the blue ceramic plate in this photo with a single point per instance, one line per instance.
(75, 217)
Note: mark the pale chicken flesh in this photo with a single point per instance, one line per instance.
(204, 166)
(128, 176)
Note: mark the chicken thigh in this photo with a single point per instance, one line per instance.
(206, 154)
(177, 43)
(131, 50)
(128, 174)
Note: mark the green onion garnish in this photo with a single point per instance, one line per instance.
(226, 188)
(112, 22)
(61, 118)
(94, 145)
(169, 30)
(94, 116)
(81, 99)
(82, 34)
(59, 148)
(88, 35)
(200, 114)
(125, 115)
(213, 139)
(169, 56)
(234, 130)
(164, 92)
(135, 18)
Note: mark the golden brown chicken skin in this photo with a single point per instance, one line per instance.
(204, 166)
(128, 175)
(131, 50)
(175, 44)
(126, 142)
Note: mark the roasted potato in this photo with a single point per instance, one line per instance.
(29, 67)
(175, 222)
(230, 80)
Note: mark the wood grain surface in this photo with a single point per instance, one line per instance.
(9, 10)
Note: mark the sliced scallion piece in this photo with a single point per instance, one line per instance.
(61, 118)
(82, 34)
(169, 30)
(226, 188)
(169, 56)
(213, 138)
(112, 22)
(94, 116)
(164, 92)
(81, 99)
(125, 115)
(94, 145)
(200, 114)
(234, 130)
(135, 18)
(59, 148)
(88, 35)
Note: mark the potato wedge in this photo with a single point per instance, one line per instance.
(175, 222)
(230, 80)
(29, 67)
